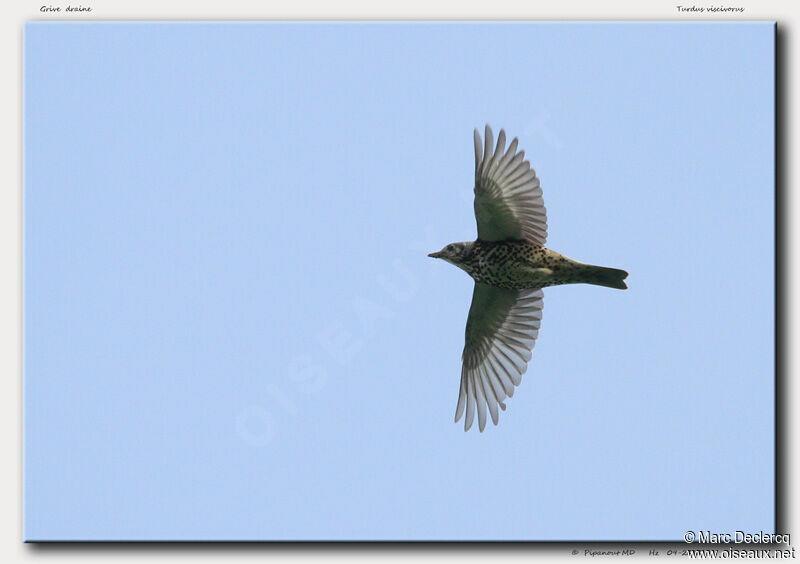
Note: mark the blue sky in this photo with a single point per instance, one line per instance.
(232, 329)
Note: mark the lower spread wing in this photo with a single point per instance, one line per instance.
(508, 199)
(501, 329)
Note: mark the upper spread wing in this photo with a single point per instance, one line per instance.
(508, 199)
(501, 329)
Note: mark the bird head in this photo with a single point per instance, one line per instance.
(454, 253)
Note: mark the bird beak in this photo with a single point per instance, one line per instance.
(435, 255)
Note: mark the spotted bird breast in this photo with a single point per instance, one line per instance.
(509, 264)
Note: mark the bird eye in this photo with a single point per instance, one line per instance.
(450, 248)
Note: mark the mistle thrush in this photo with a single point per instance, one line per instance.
(510, 266)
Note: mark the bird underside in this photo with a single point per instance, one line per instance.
(523, 265)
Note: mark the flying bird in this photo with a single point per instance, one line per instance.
(510, 266)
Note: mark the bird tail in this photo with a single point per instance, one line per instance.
(602, 276)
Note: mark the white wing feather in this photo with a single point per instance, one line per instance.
(501, 330)
(508, 198)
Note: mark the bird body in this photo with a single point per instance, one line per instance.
(510, 266)
(519, 264)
